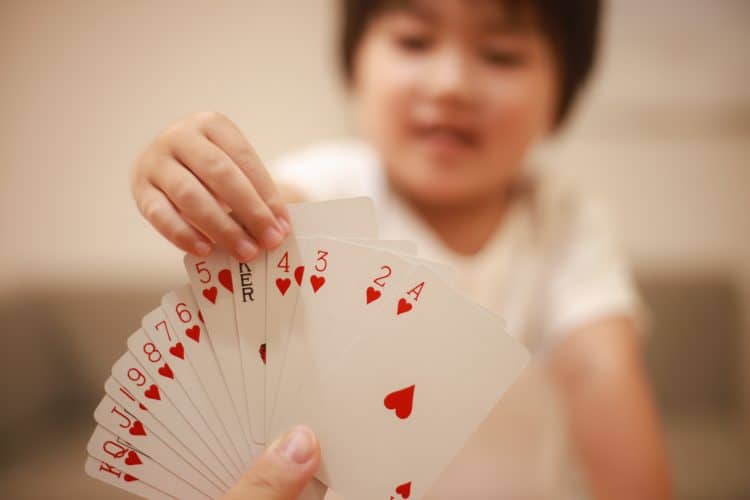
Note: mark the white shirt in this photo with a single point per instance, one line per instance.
(550, 267)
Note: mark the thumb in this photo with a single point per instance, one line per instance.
(282, 471)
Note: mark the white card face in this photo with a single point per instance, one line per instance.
(352, 218)
(345, 218)
(211, 281)
(131, 431)
(357, 282)
(163, 333)
(107, 473)
(249, 280)
(400, 383)
(133, 377)
(161, 370)
(183, 313)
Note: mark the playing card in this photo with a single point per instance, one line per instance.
(352, 218)
(107, 473)
(327, 319)
(128, 428)
(134, 463)
(160, 369)
(168, 366)
(407, 395)
(249, 281)
(133, 377)
(140, 412)
(211, 281)
(182, 310)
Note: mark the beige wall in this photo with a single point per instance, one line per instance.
(664, 135)
(86, 84)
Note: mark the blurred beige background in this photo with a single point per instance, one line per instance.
(664, 136)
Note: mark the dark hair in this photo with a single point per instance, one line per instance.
(571, 26)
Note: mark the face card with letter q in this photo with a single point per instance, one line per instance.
(105, 472)
(134, 465)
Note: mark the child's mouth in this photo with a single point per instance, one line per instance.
(446, 138)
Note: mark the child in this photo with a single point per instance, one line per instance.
(451, 98)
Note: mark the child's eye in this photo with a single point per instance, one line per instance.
(502, 57)
(413, 43)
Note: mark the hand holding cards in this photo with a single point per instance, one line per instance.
(355, 337)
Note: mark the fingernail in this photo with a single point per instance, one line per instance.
(284, 225)
(201, 248)
(246, 250)
(298, 445)
(272, 237)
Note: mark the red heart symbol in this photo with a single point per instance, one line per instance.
(132, 459)
(128, 478)
(299, 272)
(404, 490)
(200, 316)
(137, 429)
(152, 392)
(262, 352)
(177, 350)
(401, 401)
(283, 284)
(372, 294)
(225, 278)
(403, 306)
(317, 282)
(194, 332)
(210, 294)
(166, 371)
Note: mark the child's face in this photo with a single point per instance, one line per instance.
(453, 93)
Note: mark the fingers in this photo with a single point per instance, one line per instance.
(227, 182)
(202, 210)
(160, 212)
(225, 134)
(283, 471)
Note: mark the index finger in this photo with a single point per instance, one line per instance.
(228, 137)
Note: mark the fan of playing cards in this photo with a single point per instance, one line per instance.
(353, 336)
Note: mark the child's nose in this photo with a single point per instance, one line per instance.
(450, 76)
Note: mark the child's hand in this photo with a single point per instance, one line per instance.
(193, 174)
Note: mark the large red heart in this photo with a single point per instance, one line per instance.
(404, 490)
(283, 284)
(177, 350)
(225, 278)
(132, 458)
(137, 429)
(194, 332)
(299, 272)
(317, 282)
(128, 478)
(152, 392)
(401, 401)
(210, 294)
(166, 371)
(262, 352)
(403, 306)
(372, 294)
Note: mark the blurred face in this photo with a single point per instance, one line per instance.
(453, 93)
